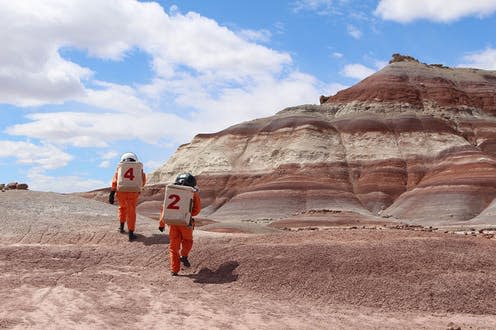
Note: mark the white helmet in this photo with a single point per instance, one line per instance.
(129, 157)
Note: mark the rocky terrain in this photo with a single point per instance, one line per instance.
(413, 143)
(65, 265)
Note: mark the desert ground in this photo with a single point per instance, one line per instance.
(65, 266)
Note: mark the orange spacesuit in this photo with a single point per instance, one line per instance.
(128, 180)
(181, 236)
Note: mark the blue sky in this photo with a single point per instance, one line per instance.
(83, 81)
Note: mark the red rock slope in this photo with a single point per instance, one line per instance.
(413, 142)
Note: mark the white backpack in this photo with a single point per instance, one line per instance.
(129, 177)
(178, 203)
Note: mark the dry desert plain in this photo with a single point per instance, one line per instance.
(65, 266)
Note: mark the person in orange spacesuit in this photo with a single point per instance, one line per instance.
(181, 236)
(128, 181)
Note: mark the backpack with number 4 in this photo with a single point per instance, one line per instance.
(178, 203)
(129, 177)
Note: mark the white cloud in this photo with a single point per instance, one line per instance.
(405, 11)
(67, 184)
(114, 97)
(105, 164)
(205, 47)
(193, 58)
(109, 155)
(337, 55)
(32, 71)
(106, 158)
(357, 71)
(43, 157)
(485, 59)
(380, 64)
(154, 164)
(204, 77)
(51, 81)
(333, 88)
(251, 101)
(322, 7)
(356, 10)
(263, 35)
(354, 31)
(100, 129)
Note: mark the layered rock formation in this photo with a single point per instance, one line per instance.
(413, 142)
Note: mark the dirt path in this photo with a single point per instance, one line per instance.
(70, 268)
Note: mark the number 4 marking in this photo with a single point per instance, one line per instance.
(172, 205)
(129, 174)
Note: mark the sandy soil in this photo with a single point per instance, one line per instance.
(64, 265)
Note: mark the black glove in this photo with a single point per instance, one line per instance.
(161, 229)
(111, 197)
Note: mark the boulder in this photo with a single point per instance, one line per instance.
(22, 186)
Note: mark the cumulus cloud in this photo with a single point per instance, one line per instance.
(203, 76)
(83, 129)
(357, 71)
(200, 44)
(263, 99)
(109, 29)
(196, 63)
(406, 11)
(42, 157)
(115, 97)
(485, 59)
(32, 70)
(53, 81)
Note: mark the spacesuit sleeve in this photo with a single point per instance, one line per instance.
(143, 178)
(162, 221)
(196, 204)
(114, 182)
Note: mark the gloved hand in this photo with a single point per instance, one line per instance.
(111, 197)
(161, 229)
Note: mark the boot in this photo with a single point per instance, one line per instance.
(185, 261)
(121, 228)
(132, 237)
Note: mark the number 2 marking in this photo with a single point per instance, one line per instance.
(172, 205)
(129, 174)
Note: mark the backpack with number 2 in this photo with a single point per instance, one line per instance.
(178, 203)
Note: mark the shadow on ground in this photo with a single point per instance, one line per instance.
(152, 240)
(223, 274)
